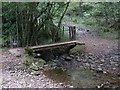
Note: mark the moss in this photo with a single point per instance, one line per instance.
(26, 61)
(77, 48)
(41, 62)
(32, 63)
(34, 67)
(28, 51)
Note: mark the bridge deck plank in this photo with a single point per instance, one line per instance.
(55, 45)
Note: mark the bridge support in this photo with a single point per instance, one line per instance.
(72, 32)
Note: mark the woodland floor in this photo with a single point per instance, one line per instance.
(13, 77)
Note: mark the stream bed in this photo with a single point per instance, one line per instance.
(83, 78)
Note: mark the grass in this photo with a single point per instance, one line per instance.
(110, 35)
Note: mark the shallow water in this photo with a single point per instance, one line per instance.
(81, 78)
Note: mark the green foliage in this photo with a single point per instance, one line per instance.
(28, 24)
(103, 16)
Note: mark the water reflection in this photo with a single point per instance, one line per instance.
(77, 78)
(83, 78)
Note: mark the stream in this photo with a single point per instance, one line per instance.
(83, 78)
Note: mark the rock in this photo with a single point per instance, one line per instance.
(32, 73)
(61, 84)
(12, 71)
(104, 72)
(71, 86)
(16, 52)
(99, 70)
(100, 86)
(4, 56)
(90, 57)
(68, 58)
(118, 75)
(84, 60)
(101, 64)
(34, 67)
(87, 64)
(72, 56)
(79, 60)
(114, 68)
(41, 68)
(37, 73)
(92, 66)
(90, 54)
(102, 60)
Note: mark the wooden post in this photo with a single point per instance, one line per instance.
(10, 39)
(63, 31)
(74, 33)
(70, 34)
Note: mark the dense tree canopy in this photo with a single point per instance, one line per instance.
(30, 23)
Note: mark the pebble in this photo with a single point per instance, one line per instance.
(87, 64)
(114, 68)
(116, 65)
(100, 69)
(61, 84)
(104, 72)
(68, 58)
(102, 60)
(112, 62)
(12, 71)
(71, 86)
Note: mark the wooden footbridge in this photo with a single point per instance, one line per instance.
(55, 45)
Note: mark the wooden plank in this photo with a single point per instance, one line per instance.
(55, 45)
(52, 45)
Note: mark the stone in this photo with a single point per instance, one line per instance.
(37, 73)
(114, 68)
(102, 60)
(90, 57)
(84, 60)
(68, 58)
(16, 52)
(87, 64)
(34, 67)
(72, 56)
(104, 72)
(99, 70)
(4, 56)
(12, 71)
(71, 86)
(101, 64)
(90, 54)
(61, 84)
(92, 66)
